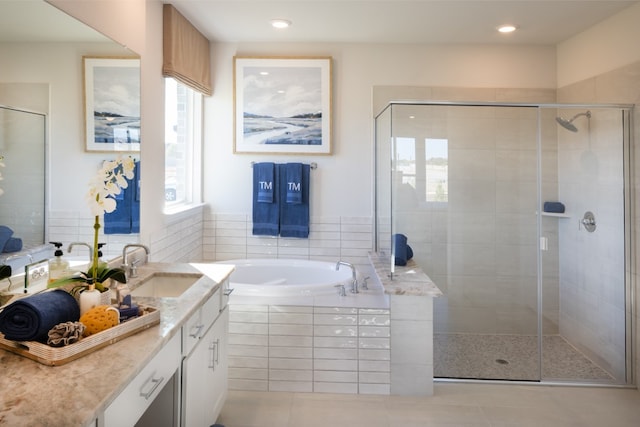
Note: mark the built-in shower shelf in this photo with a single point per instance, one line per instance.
(557, 215)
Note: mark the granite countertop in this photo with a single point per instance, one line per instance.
(407, 280)
(75, 393)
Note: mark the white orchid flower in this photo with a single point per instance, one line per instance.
(110, 180)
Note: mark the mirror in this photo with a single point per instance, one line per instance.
(42, 126)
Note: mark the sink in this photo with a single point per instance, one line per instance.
(165, 285)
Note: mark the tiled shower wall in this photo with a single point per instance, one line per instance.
(587, 299)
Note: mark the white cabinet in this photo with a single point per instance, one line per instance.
(204, 371)
(129, 406)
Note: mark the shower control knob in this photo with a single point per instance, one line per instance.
(589, 222)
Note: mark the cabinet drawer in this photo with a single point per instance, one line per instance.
(139, 394)
(199, 323)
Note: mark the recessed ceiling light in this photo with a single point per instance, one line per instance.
(507, 28)
(280, 23)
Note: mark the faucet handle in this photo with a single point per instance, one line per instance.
(133, 268)
(365, 286)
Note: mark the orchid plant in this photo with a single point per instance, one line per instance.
(108, 183)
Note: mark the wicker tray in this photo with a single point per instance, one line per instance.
(54, 356)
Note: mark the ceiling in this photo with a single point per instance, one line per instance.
(37, 21)
(541, 22)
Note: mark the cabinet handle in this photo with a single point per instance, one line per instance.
(215, 354)
(227, 292)
(198, 329)
(155, 383)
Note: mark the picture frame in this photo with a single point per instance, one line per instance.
(112, 103)
(282, 105)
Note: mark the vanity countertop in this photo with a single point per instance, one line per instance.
(407, 280)
(75, 394)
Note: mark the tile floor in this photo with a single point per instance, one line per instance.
(453, 404)
(512, 357)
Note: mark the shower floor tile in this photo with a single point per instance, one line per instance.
(511, 357)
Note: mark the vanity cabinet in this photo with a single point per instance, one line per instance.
(204, 368)
(140, 393)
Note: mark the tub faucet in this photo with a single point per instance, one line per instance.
(130, 270)
(354, 280)
(71, 245)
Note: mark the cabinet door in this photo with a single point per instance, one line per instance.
(131, 403)
(205, 376)
(218, 367)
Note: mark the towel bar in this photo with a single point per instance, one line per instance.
(313, 165)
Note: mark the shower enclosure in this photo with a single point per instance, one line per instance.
(520, 214)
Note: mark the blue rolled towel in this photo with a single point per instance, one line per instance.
(553, 207)
(30, 318)
(14, 244)
(5, 235)
(263, 181)
(402, 251)
(294, 183)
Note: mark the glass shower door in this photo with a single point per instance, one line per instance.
(465, 194)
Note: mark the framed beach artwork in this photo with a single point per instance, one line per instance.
(112, 103)
(282, 105)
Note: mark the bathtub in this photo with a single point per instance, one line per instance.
(300, 282)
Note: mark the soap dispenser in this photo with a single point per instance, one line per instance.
(58, 267)
(89, 298)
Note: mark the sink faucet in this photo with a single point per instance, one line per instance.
(71, 245)
(354, 281)
(130, 270)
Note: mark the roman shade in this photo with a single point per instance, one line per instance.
(185, 52)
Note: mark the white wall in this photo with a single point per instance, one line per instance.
(607, 46)
(342, 184)
(137, 24)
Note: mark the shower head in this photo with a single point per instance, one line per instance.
(568, 123)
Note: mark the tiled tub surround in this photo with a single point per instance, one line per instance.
(338, 349)
(309, 349)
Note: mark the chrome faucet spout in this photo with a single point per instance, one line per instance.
(130, 270)
(354, 280)
(71, 245)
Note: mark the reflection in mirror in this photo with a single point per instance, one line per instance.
(40, 43)
(22, 147)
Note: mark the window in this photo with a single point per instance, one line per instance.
(183, 144)
(437, 169)
(420, 182)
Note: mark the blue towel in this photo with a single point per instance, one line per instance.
(401, 250)
(266, 220)
(263, 174)
(30, 318)
(294, 182)
(553, 207)
(5, 235)
(294, 218)
(14, 244)
(125, 219)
